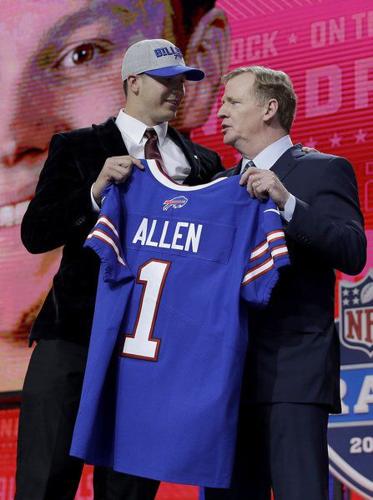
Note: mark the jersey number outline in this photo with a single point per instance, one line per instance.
(140, 344)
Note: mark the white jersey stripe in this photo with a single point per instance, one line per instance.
(281, 250)
(106, 222)
(265, 266)
(259, 251)
(258, 271)
(103, 236)
(275, 235)
(263, 247)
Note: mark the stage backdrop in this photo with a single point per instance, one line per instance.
(60, 69)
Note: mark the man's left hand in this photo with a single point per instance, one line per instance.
(262, 184)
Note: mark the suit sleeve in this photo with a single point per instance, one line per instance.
(61, 209)
(266, 255)
(331, 224)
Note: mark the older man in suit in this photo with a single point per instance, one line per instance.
(79, 166)
(292, 376)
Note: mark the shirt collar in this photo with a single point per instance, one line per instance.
(268, 157)
(134, 129)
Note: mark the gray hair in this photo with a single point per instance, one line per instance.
(271, 84)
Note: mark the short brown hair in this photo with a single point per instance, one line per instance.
(271, 84)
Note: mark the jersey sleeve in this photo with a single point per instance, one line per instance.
(265, 256)
(105, 239)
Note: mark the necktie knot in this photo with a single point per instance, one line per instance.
(250, 163)
(150, 133)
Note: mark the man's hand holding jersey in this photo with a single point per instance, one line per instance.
(262, 184)
(116, 170)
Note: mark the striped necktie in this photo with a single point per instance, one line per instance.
(151, 150)
(250, 163)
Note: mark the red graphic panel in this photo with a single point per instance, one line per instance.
(8, 454)
(60, 65)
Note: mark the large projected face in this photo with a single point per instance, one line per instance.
(60, 65)
(60, 70)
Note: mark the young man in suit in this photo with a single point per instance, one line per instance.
(66, 76)
(80, 164)
(292, 373)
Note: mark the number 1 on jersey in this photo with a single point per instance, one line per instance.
(152, 275)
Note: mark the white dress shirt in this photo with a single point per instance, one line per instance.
(266, 159)
(132, 132)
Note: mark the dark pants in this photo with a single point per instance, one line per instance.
(50, 400)
(283, 446)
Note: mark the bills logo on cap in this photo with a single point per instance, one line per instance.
(350, 434)
(177, 202)
(169, 51)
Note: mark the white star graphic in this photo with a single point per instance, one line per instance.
(345, 293)
(335, 141)
(311, 143)
(346, 302)
(293, 39)
(356, 300)
(355, 291)
(360, 136)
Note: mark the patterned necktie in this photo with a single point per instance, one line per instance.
(250, 163)
(151, 150)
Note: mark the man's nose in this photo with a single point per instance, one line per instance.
(8, 152)
(20, 137)
(222, 112)
(25, 128)
(9, 129)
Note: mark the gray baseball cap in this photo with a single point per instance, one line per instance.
(159, 58)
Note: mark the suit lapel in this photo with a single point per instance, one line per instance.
(237, 169)
(285, 164)
(110, 139)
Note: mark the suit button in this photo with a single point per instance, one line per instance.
(80, 221)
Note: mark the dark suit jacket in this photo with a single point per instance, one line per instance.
(61, 215)
(293, 345)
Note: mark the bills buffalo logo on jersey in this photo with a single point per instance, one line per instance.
(350, 434)
(177, 202)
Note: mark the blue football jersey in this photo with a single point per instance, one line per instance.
(179, 267)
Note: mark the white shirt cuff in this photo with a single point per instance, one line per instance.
(95, 207)
(289, 208)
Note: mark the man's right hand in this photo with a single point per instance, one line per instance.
(116, 169)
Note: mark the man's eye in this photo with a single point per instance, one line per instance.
(82, 54)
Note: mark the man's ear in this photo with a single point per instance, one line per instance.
(208, 49)
(133, 84)
(270, 111)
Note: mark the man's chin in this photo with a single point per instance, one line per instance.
(171, 116)
(227, 139)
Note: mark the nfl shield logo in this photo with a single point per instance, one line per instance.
(356, 314)
(350, 434)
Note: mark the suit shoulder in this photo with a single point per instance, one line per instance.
(322, 158)
(84, 134)
(324, 162)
